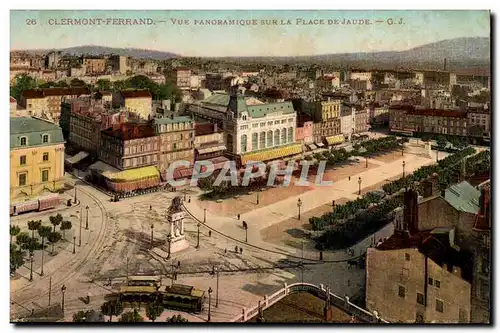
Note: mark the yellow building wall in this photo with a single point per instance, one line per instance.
(141, 106)
(330, 109)
(33, 169)
(36, 106)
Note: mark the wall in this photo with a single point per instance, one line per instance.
(141, 106)
(33, 167)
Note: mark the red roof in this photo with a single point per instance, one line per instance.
(135, 93)
(204, 129)
(131, 131)
(41, 93)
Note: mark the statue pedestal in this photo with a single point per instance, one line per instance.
(178, 244)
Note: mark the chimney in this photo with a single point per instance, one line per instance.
(215, 128)
(172, 116)
(457, 271)
(411, 211)
(427, 189)
(444, 67)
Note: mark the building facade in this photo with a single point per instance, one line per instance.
(208, 142)
(347, 120)
(36, 158)
(176, 141)
(138, 102)
(181, 76)
(94, 65)
(361, 120)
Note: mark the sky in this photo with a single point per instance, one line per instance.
(43, 30)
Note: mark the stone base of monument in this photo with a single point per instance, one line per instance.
(176, 246)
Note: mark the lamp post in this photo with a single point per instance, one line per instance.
(169, 240)
(359, 182)
(63, 290)
(215, 271)
(402, 149)
(87, 218)
(152, 228)
(245, 226)
(31, 265)
(404, 163)
(366, 159)
(80, 234)
(204, 215)
(299, 204)
(198, 239)
(209, 302)
(75, 195)
(74, 244)
(258, 197)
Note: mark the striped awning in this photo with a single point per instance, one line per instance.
(271, 154)
(180, 173)
(336, 139)
(211, 149)
(132, 174)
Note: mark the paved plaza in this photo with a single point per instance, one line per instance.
(123, 230)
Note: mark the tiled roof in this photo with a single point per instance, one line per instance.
(204, 129)
(169, 120)
(41, 93)
(33, 129)
(131, 131)
(463, 197)
(135, 93)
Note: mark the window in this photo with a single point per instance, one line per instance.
(243, 143)
(255, 141)
(290, 134)
(437, 283)
(439, 306)
(283, 136)
(276, 122)
(269, 139)
(45, 157)
(276, 137)
(45, 138)
(182, 136)
(262, 140)
(255, 125)
(420, 298)
(262, 124)
(45, 175)
(244, 117)
(283, 121)
(430, 281)
(407, 256)
(22, 160)
(22, 179)
(23, 141)
(269, 123)
(174, 146)
(402, 292)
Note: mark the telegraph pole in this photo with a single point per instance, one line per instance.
(217, 290)
(50, 288)
(80, 236)
(87, 218)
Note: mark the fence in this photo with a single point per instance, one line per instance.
(320, 291)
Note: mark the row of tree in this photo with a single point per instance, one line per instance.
(25, 242)
(115, 308)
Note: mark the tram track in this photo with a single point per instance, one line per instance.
(31, 291)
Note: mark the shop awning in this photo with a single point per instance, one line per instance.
(312, 146)
(271, 154)
(132, 174)
(319, 144)
(336, 139)
(211, 149)
(180, 173)
(102, 167)
(77, 158)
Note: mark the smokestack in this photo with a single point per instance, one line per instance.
(444, 64)
(411, 211)
(215, 128)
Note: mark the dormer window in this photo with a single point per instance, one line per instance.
(23, 141)
(45, 138)
(244, 117)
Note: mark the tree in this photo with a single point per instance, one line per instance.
(112, 308)
(65, 225)
(14, 231)
(103, 84)
(154, 310)
(176, 319)
(22, 82)
(44, 232)
(22, 238)
(55, 220)
(16, 258)
(77, 83)
(90, 316)
(441, 142)
(34, 225)
(53, 238)
(131, 317)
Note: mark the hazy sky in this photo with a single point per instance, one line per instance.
(418, 28)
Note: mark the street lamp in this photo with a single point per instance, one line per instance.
(152, 228)
(204, 215)
(63, 290)
(169, 240)
(74, 244)
(209, 302)
(198, 240)
(404, 163)
(402, 149)
(299, 204)
(245, 226)
(359, 182)
(258, 197)
(215, 271)
(87, 220)
(366, 159)
(75, 194)
(80, 234)
(31, 265)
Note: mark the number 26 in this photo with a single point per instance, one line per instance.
(30, 22)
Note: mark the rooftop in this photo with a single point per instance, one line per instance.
(33, 129)
(174, 120)
(463, 197)
(205, 129)
(41, 93)
(135, 93)
(131, 131)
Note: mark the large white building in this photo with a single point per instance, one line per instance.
(260, 132)
(347, 120)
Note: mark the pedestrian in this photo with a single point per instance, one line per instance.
(88, 297)
(320, 255)
(209, 233)
(236, 249)
(150, 207)
(348, 282)
(225, 251)
(349, 178)
(241, 250)
(178, 263)
(189, 200)
(238, 217)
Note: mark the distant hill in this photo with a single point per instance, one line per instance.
(97, 50)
